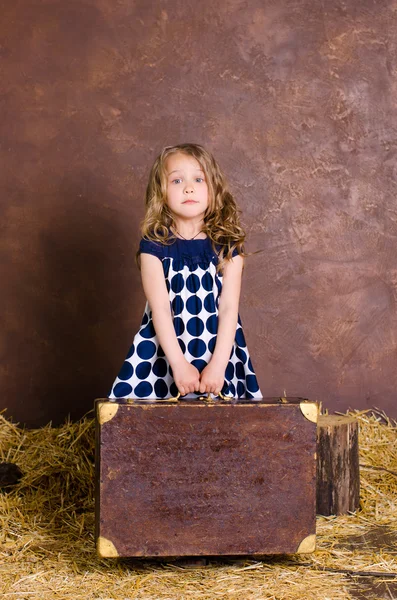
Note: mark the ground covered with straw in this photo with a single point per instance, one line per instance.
(47, 533)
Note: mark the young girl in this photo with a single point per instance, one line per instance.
(191, 258)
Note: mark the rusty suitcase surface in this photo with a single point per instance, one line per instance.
(197, 478)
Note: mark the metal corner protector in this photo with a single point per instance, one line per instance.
(310, 411)
(307, 545)
(106, 548)
(106, 411)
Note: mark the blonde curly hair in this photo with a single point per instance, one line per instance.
(221, 219)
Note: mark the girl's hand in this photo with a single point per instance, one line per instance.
(212, 379)
(186, 377)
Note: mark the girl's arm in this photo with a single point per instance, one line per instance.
(186, 376)
(213, 376)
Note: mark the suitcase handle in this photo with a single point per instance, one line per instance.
(220, 395)
(175, 399)
(207, 398)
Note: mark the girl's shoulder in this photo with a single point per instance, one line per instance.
(150, 247)
(219, 247)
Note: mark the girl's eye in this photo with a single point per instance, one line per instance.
(200, 179)
(176, 180)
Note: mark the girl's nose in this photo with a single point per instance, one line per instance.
(188, 189)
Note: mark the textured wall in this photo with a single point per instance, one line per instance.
(297, 100)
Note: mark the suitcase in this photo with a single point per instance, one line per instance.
(205, 477)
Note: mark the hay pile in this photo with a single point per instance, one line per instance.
(47, 542)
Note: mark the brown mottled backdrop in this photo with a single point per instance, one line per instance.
(296, 99)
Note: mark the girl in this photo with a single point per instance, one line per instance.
(191, 259)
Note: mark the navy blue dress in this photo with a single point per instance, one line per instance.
(194, 289)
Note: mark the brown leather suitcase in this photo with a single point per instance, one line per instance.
(196, 477)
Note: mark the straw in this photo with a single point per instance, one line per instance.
(47, 543)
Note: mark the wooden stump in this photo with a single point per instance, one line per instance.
(338, 474)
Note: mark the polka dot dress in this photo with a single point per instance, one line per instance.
(194, 289)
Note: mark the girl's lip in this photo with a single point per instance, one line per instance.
(189, 201)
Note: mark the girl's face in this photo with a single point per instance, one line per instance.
(187, 189)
